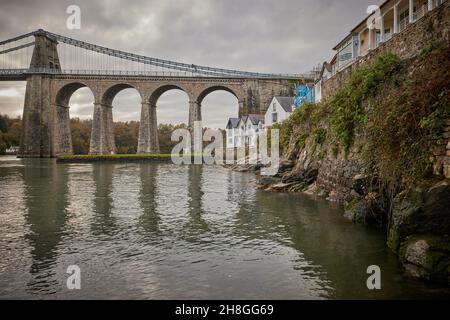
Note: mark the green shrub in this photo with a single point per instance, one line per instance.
(346, 107)
(3, 147)
(320, 136)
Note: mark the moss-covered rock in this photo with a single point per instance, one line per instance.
(421, 210)
(365, 210)
(427, 256)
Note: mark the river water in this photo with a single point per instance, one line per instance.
(161, 231)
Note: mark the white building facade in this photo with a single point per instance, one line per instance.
(325, 74)
(244, 131)
(280, 108)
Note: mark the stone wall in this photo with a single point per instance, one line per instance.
(46, 120)
(434, 25)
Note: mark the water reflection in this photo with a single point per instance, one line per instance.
(196, 224)
(183, 232)
(149, 220)
(104, 222)
(46, 217)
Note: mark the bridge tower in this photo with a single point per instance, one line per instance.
(38, 114)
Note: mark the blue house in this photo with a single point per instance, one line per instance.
(304, 94)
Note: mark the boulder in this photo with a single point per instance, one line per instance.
(266, 181)
(427, 257)
(421, 210)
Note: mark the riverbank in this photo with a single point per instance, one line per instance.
(157, 158)
(380, 146)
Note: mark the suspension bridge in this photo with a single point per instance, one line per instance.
(55, 66)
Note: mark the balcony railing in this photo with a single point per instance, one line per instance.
(420, 12)
(404, 23)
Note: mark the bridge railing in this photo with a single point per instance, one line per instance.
(24, 72)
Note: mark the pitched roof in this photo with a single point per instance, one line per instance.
(286, 102)
(256, 118)
(234, 122)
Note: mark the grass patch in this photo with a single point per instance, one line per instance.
(115, 158)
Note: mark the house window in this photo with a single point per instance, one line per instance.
(274, 107)
(387, 34)
(274, 117)
(377, 38)
(345, 55)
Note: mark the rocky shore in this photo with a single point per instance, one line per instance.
(385, 157)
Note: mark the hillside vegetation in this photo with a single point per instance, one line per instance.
(377, 146)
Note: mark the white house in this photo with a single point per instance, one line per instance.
(12, 150)
(244, 131)
(233, 132)
(280, 108)
(253, 124)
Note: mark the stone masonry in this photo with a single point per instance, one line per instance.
(46, 117)
(434, 25)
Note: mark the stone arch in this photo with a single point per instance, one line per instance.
(148, 129)
(211, 89)
(201, 105)
(64, 93)
(110, 93)
(155, 95)
(62, 136)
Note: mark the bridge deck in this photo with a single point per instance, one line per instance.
(22, 74)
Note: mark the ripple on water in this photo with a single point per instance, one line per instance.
(153, 231)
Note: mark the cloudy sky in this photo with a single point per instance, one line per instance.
(279, 36)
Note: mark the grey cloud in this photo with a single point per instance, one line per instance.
(286, 36)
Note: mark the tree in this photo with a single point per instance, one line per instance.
(3, 146)
(81, 135)
(4, 123)
(14, 132)
(165, 134)
(126, 136)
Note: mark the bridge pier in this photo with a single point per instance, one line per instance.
(195, 115)
(37, 132)
(148, 130)
(102, 135)
(62, 134)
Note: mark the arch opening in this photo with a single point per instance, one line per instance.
(218, 105)
(212, 89)
(64, 94)
(73, 119)
(153, 100)
(111, 92)
(126, 103)
(172, 111)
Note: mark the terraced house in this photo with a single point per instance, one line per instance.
(243, 131)
(393, 17)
